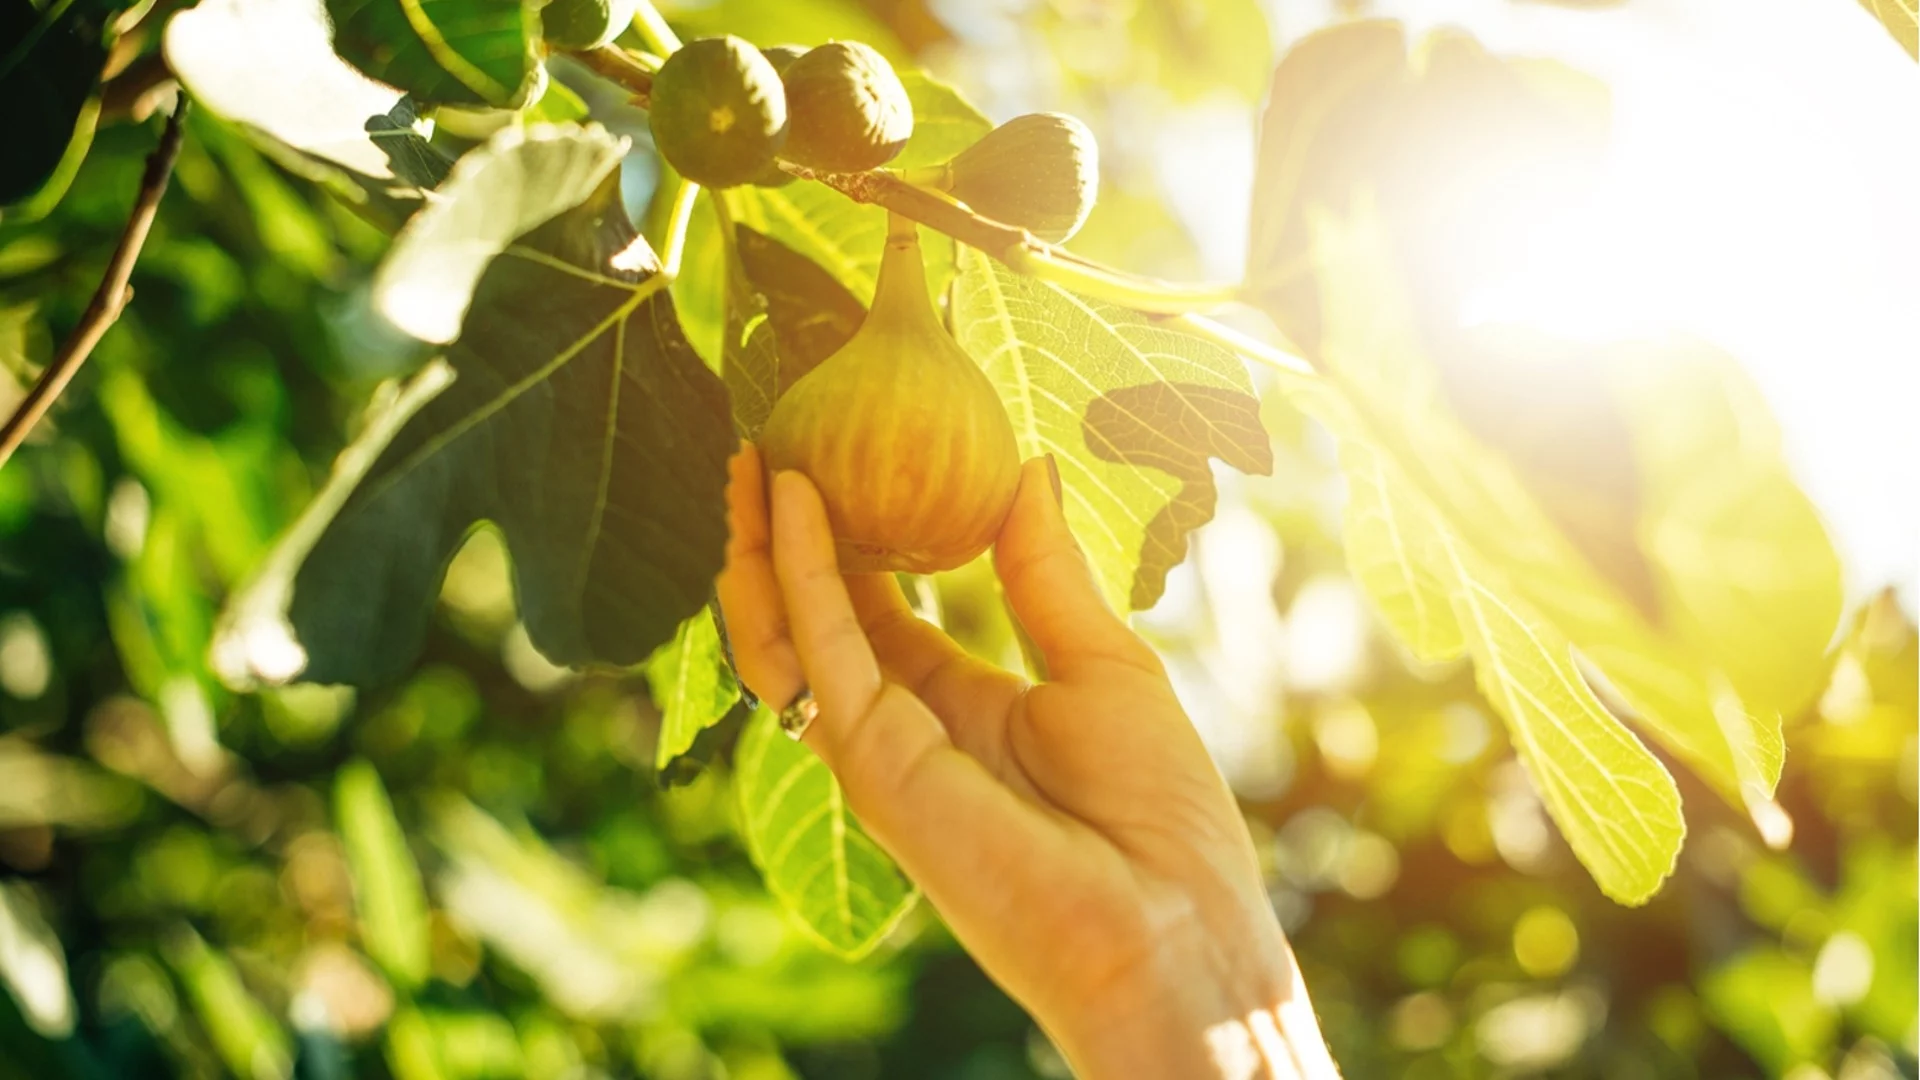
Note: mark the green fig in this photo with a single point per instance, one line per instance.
(779, 56)
(849, 111)
(902, 432)
(1040, 172)
(585, 24)
(782, 56)
(718, 112)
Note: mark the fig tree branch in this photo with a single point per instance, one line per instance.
(111, 297)
(616, 65)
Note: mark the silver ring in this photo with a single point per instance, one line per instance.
(798, 716)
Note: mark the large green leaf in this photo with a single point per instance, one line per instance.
(387, 891)
(1130, 410)
(1452, 545)
(520, 179)
(51, 55)
(692, 684)
(1633, 495)
(456, 52)
(317, 115)
(816, 859)
(571, 413)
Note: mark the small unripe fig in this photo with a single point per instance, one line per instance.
(780, 56)
(849, 111)
(902, 432)
(584, 24)
(718, 112)
(1040, 172)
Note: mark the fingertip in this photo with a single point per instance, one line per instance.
(1037, 518)
(746, 500)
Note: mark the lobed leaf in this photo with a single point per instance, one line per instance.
(1130, 410)
(1742, 595)
(519, 179)
(571, 413)
(817, 861)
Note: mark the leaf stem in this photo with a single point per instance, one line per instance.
(674, 244)
(653, 29)
(109, 300)
(1285, 357)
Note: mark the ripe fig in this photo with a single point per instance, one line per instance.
(902, 432)
(718, 112)
(849, 111)
(1040, 171)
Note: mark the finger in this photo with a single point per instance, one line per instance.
(749, 592)
(1052, 588)
(839, 662)
(920, 656)
(934, 808)
(970, 697)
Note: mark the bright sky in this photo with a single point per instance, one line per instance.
(1761, 195)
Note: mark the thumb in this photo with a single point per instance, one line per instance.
(1051, 586)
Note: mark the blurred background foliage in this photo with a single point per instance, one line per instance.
(476, 874)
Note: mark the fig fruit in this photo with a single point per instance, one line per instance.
(584, 24)
(902, 432)
(718, 112)
(849, 111)
(1040, 172)
(779, 56)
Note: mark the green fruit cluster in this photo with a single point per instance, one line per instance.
(722, 111)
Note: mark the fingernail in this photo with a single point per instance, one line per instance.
(1053, 476)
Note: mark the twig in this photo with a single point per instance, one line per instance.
(614, 63)
(109, 300)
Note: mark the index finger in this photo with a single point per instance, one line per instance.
(749, 594)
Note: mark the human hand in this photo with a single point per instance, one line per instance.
(1074, 834)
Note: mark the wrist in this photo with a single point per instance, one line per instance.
(1230, 1007)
